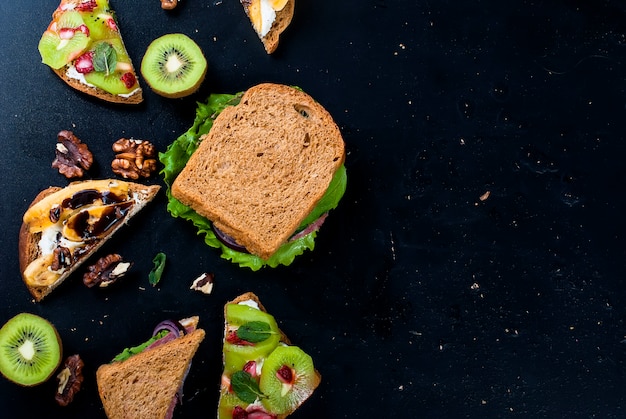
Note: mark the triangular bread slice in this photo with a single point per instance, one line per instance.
(227, 397)
(263, 166)
(99, 23)
(51, 218)
(261, 12)
(144, 385)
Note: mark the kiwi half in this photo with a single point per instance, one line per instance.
(174, 65)
(30, 349)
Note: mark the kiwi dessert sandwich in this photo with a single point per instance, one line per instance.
(84, 47)
(257, 173)
(264, 375)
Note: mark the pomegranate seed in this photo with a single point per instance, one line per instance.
(233, 339)
(84, 29)
(250, 368)
(285, 374)
(239, 413)
(128, 79)
(111, 24)
(66, 33)
(87, 6)
(84, 63)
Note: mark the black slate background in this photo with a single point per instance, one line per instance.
(421, 299)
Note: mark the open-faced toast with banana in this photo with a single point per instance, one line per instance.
(269, 18)
(84, 47)
(63, 227)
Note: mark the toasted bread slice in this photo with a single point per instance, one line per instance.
(145, 385)
(228, 395)
(57, 236)
(269, 28)
(263, 166)
(83, 45)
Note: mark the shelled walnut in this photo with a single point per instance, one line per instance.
(134, 158)
(106, 271)
(73, 157)
(70, 380)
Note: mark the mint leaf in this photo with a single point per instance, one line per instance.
(254, 332)
(157, 271)
(245, 387)
(104, 58)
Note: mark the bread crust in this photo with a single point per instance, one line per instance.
(28, 243)
(265, 164)
(281, 22)
(134, 99)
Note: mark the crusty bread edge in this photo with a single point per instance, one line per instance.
(28, 243)
(284, 339)
(281, 22)
(134, 99)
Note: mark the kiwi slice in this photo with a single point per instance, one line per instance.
(30, 349)
(260, 324)
(227, 404)
(60, 46)
(174, 65)
(112, 82)
(288, 378)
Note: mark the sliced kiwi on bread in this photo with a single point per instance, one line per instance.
(174, 65)
(30, 349)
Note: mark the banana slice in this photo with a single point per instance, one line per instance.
(63, 202)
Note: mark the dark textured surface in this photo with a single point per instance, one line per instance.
(421, 299)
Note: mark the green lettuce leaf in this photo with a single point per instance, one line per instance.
(178, 153)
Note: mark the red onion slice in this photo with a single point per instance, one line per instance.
(171, 326)
(227, 240)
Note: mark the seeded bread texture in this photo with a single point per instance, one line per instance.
(263, 166)
(28, 243)
(282, 21)
(144, 385)
(134, 99)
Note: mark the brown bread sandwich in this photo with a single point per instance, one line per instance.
(146, 381)
(257, 173)
(63, 227)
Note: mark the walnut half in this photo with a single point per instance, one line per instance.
(70, 380)
(134, 158)
(72, 155)
(106, 271)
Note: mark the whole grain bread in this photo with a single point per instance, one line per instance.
(144, 385)
(282, 21)
(28, 242)
(263, 166)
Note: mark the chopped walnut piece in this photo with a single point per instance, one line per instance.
(106, 271)
(70, 380)
(203, 283)
(168, 4)
(72, 155)
(62, 258)
(134, 158)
